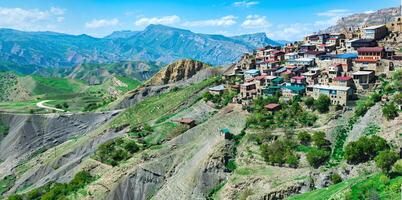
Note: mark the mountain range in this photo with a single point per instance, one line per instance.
(155, 43)
(357, 20)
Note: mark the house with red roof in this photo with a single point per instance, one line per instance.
(370, 54)
(273, 107)
(298, 80)
(369, 58)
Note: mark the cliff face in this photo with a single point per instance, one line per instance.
(365, 19)
(178, 71)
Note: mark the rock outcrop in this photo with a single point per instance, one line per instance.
(178, 71)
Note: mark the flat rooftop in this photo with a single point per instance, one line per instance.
(331, 87)
(362, 73)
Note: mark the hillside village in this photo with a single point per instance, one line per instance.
(341, 66)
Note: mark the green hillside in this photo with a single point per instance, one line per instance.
(63, 93)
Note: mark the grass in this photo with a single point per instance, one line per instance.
(20, 107)
(327, 193)
(131, 83)
(155, 106)
(3, 129)
(304, 148)
(7, 183)
(55, 86)
(376, 186)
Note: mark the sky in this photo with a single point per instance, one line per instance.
(280, 19)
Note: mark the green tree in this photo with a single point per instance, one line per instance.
(304, 138)
(322, 103)
(390, 111)
(309, 102)
(319, 140)
(364, 149)
(335, 178)
(317, 157)
(385, 159)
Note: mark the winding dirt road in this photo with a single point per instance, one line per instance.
(41, 105)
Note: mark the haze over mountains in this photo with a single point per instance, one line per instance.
(156, 43)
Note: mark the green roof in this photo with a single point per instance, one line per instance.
(277, 80)
(294, 88)
(225, 130)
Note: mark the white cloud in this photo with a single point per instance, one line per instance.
(332, 17)
(30, 19)
(223, 21)
(294, 31)
(166, 20)
(99, 23)
(255, 22)
(245, 3)
(60, 19)
(57, 11)
(369, 12)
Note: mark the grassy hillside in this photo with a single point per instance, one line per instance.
(365, 187)
(20, 93)
(156, 106)
(56, 86)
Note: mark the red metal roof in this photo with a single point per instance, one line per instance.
(342, 78)
(370, 49)
(366, 60)
(260, 77)
(298, 77)
(272, 106)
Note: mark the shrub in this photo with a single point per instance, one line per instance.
(131, 146)
(397, 167)
(364, 149)
(385, 159)
(304, 138)
(335, 178)
(390, 111)
(309, 102)
(322, 103)
(317, 157)
(279, 152)
(319, 140)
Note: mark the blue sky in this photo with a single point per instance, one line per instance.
(280, 19)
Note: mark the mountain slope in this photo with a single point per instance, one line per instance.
(178, 71)
(155, 43)
(372, 18)
(257, 39)
(98, 73)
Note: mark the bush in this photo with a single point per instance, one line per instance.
(309, 102)
(114, 151)
(319, 140)
(322, 103)
(335, 178)
(390, 111)
(279, 152)
(385, 159)
(397, 167)
(364, 149)
(304, 138)
(317, 157)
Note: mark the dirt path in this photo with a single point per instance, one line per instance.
(41, 105)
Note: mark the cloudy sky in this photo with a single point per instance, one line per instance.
(280, 19)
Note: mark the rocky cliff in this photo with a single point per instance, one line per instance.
(365, 19)
(178, 71)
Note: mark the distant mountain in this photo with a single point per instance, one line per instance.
(122, 34)
(93, 73)
(365, 19)
(257, 39)
(156, 43)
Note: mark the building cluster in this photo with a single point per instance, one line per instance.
(338, 65)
